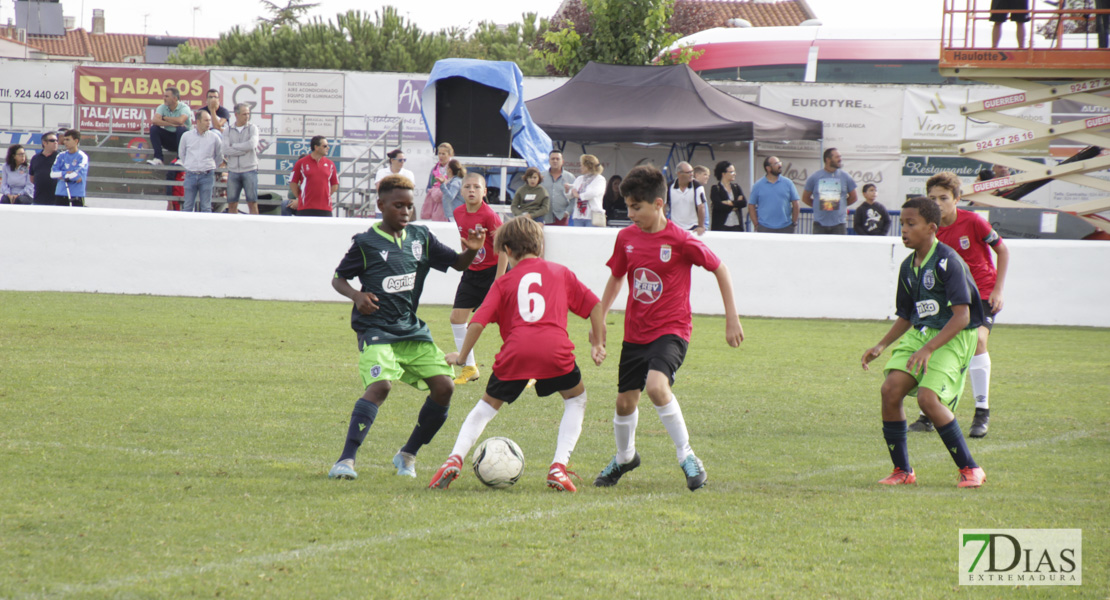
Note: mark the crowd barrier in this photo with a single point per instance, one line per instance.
(798, 276)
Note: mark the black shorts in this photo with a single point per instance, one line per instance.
(508, 391)
(1009, 5)
(473, 288)
(988, 315)
(664, 355)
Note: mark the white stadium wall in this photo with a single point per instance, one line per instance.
(174, 254)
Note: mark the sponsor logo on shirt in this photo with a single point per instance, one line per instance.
(965, 243)
(399, 283)
(384, 254)
(929, 280)
(647, 287)
(665, 253)
(628, 249)
(927, 308)
(417, 249)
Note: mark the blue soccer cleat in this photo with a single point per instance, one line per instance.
(695, 472)
(405, 463)
(344, 469)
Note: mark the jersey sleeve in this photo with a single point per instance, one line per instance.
(955, 276)
(580, 299)
(297, 176)
(494, 222)
(489, 311)
(696, 252)
(903, 303)
(334, 179)
(353, 263)
(618, 262)
(440, 256)
(984, 231)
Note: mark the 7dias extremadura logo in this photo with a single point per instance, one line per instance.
(1021, 557)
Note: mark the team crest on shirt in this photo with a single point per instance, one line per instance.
(965, 242)
(665, 253)
(647, 286)
(480, 257)
(929, 279)
(417, 249)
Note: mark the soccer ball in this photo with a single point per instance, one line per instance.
(498, 462)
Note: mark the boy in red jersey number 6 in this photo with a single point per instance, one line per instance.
(530, 305)
(656, 256)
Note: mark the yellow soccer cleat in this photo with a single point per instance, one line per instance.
(468, 374)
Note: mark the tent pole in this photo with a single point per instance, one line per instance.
(751, 173)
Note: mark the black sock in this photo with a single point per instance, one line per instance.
(432, 416)
(895, 434)
(954, 440)
(362, 417)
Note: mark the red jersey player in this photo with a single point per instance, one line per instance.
(656, 256)
(487, 266)
(530, 304)
(972, 238)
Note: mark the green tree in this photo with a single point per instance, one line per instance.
(282, 16)
(623, 32)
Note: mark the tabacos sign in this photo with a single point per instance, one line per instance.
(1021, 557)
(123, 99)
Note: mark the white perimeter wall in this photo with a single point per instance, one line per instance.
(174, 254)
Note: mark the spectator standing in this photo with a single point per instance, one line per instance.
(171, 120)
(71, 169)
(240, 150)
(727, 199)
(1017, 11)
(586, 192)
(701, 175)
(686, 199)
(835, 191)
(17, 185)
(774, 204)
(220, 116)
(452, 188)
(531, 199)
(41, 164)
(871, 217)
(613, 202)
(395, 166)
(433, 199)
(557, 182)
(320, 179)
(201, 151)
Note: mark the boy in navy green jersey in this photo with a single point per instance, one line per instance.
(939, 312)
(391, 260)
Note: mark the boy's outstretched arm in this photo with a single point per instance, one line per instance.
(473, 332)
(734, 331)
(961, 316)
(612, 289)
(597, 334)
(502, 265)
(899, 327)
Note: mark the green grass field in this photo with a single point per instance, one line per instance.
(178, 447)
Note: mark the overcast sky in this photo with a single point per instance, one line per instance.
(207, 18)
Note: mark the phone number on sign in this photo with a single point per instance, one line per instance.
(34, 94)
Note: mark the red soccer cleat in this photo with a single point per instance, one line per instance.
(557, 479)
(447, 473)
(899, 477)
(972, 477)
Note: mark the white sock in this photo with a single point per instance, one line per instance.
(574, 412)
(460, 335)
(981, 379)
(472, 427)
(624, 430)
(671, 415)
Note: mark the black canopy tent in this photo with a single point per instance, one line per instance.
(655, 105)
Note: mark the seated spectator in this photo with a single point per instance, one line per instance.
(17, 186)
(613, 202)
(726, 200)
(171, 121)
(451, 187)
(220, 115)
(531, 199)
(41, 164)
(871, 217)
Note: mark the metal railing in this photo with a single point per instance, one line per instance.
(359, 201)
(967, 22)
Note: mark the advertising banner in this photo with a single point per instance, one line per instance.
(36, 94)
(124, 98)
(931, 119)
(297, 103)
(858, 120)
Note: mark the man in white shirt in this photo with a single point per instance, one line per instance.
(686, 198)
(200, 152)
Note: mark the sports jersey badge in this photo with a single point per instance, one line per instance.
(665, 253)
(965, 242)
(929, 280)
(628, 249)
(479, 257)
(647, 286)
(384, 254)
(375, 370)
(417, 249)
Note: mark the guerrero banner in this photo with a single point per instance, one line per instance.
(295, 103)
(124, 99)
(36, 94)
(858, 120)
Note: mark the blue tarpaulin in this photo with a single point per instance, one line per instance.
(529, 140)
